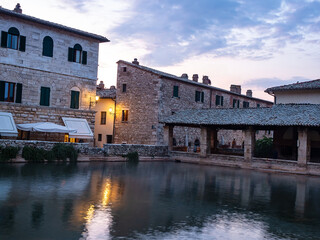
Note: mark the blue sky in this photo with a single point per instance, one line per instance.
(257, 44)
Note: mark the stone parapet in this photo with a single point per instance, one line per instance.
(142, 150)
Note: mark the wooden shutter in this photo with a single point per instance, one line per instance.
(45, 96)
(70, 54)
(238, 104)
(4, 39)
(202, 96)
(2, 87)
(47, 47)
(84, 57)
(176, 91)
(22, 46)
(217, 100)
(221, 100)
(19, 93)
(77, 99)
(74, 100)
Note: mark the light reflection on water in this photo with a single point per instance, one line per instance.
(155, 201)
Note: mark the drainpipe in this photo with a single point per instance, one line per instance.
(114, 119)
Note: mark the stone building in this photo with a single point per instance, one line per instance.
(146, 95)
(47, 70)
(105, 107)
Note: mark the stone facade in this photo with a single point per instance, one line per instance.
(33, 70)
(149, 95)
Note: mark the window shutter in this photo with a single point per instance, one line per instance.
(202, 96)
(22, 47)
(47, 47)
(70, 55)
(175, 91)
(45, 96)
(74, 100)
(48, 97)
(19, 93)
(217, 100)
(2, 87)
(77, 100)
(221, 100)
(4, 39)
(238, 104)
(84, 57)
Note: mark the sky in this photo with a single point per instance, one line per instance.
(255, 44)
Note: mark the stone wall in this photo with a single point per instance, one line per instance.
(149, 97)
(142, 150)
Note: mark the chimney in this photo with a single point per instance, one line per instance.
(17, 9)
(249, 93)
(135, 61)
(101, 85)
(235, 88)
(195, 77)
(184, 75)
(112, 87)
(206, 80)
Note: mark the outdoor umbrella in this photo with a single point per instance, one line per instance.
(44, 127)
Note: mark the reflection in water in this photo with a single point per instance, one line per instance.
(155, 201)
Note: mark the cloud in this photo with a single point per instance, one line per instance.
(174, 30)
(264, 83)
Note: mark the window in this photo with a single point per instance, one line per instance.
(76, 54)
(13, 40)
(103, 118)
(124, 87)
(219, 100)
(124, 69)
(236, 103)
(99, 137)
(10, 92)
(199, 96)
(47, 47)
(245, 104)
(109, 138)
(258, 105)
(45, 96)
(74, 98)
(125, 115)
(176, 91)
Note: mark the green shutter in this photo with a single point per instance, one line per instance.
(45, 96)
(221, 100)
(19, 93)
(84, 57)
(48, 97)
(2, 87)
(202, 96)
(238, 104)
(77, 100)
(70, 54)
(4, 39)
(74, 100)
(176, 91)
(217, 100)
(22, 47)
(47, 47)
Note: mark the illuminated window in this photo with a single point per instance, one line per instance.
(125, 115)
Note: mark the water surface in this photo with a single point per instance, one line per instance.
(155, 201)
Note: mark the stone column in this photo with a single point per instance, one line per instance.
(249, 142)
(213, 140)
(168, 136)
(304, 148)
(205, 142)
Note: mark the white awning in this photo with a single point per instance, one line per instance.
(7, 125)
(81, 125)
(44, 127)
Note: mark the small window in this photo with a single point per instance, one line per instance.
(103, 118)
(76, 54)
(99, 137)
(13, 40)
(74, 99)
(199, 96)
(219, 100)
(45, 96)
(245, 104)
(236, 103)
(10, 92)
(47, 47)
(124, 69)
(258, 105)
(109, 138)
(125, 115)
(124, 87)
(175, 91)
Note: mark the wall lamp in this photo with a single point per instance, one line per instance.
(111, 111)
(92, 102)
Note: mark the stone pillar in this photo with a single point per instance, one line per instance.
(205, 142)
(249, 142)
(168, 136)
(304, 148)
(213, 140)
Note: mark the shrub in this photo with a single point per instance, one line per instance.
(132, 157)
(7, 153)
(64, 151)
(264, 148)
(33, 154)
(50, 156)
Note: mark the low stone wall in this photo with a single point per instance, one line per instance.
(142, 150)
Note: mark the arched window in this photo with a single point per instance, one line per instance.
(75, 98)
(47, 47)
(13, 40)
(77, 55)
